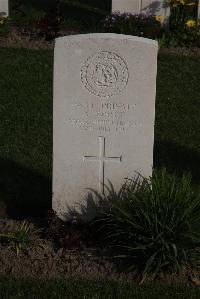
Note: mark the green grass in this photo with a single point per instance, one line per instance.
(29, 288)
(26, 129)
(177, 134)
(26, 124)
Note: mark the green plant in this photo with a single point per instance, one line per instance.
(184, 27)
(4, 25)
(25, 15)
(154, 223)
(181, 11)
(21, 238)
(144, 25)
(183, 37)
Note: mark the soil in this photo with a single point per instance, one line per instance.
(60, 250)
(46, 263)
(53, 261)
(181, 51)
(17, 39)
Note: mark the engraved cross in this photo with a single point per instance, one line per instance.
(102, 160)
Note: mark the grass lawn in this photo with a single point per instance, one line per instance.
(27, 288)
(26, 124)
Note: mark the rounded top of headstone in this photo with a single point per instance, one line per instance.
(105, 36)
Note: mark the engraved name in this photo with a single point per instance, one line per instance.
(103, 116)
(104, 105)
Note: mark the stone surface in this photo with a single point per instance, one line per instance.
(156, 7)
(4, 8)
(133, 6)
(104, 105)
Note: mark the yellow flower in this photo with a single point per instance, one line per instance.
(191, 23)
(1, 22)
(183, 2)
(180, 2)
(159, 18)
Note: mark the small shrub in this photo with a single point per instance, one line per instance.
(24, 15)
(184, 28)
(21, 238)
(181, 12)
(36, 20)
(4, 25)
(185, 37)
(64, 235)
(154, 224)
(48, 26)
(144, 25)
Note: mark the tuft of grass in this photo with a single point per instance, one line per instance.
(154, 223)
(21, 238)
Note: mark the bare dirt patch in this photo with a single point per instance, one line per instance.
(18, 39)
(181, 51)
(82, 260)
(51, 261)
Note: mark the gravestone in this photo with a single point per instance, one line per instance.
(156, 7)
(4, 8)
(104, 105)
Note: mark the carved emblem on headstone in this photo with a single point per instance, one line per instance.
(104, 74)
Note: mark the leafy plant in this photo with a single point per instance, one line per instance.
(145, 25)
(185, 37)
(154, 223)
(4, 25)
(181, 11)
(64, 235)
(21, 238)
(35, 18)
(184, 27)
(24, 14)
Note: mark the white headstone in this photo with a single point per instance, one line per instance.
(104, 105)
(156, 7)
(4, 8)
(127, 6)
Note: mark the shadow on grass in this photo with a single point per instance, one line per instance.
(177, 159)
(24, 191)
(28, 193)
